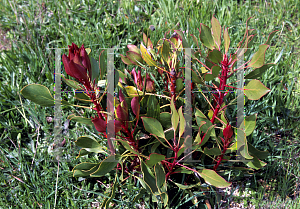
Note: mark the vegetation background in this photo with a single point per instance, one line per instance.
(30, 176)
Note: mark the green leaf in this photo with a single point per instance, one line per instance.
(248, 40)
(82, 152)
(216, 31)
(242, 144)
(255, 152)
(196, 78)
(216, 70)
(160, 176)
(106, 166)
(38, 94)
(73, 84)
(185, 44)
(139, 195)
(126, 60)
(90, 144)
(85, 166)
(148, 178)
(85, 169)
(226, 40)
(144, 184)
(181, 186)
(213, 151)
(204, 123)
(215, 56)
(206, 37)
(165, 198)
(256, 163)
(155, 158)
(154, 146)
(257, 72)
(209, 77)
(127, 146)
(166, 50)
(175, 116)
(134, 57)
(153, 126)
(121, 75)
(95, 69)
(198, 137)
(183, 170)
(271, 35)
(208, 134)
(258, 58)
(214, 179)
(165, 119)
(179, 85)
(195, 42)
(250, 43)
(80, 119)
(254, 90)
(181, 122)
(103, 65)
(208, 63)
(153, 108)
(199, 114)
(205, 128)
(82, 97)
(223, 117)
(249, 124)
(105, 203)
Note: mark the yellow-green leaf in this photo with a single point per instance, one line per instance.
(181, 122)
(214, 179)
(249, 124)
(216, 31)
(254, 90)
(256, 163)
(226, 40)
(258, 58)
(146, 56)
(206, 36)
(132, 91)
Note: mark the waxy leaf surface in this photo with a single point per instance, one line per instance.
(254, 90)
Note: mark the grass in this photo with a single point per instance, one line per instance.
(29, 170)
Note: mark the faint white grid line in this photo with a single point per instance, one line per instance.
(57, 99)
(188, 138)
(110, 101)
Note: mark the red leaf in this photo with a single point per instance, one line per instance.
(135, 105)
(78, 71)
(100, 124)
(227, 132)
(118, 126)
(121, 96)
(85, 60)
(122, 112)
